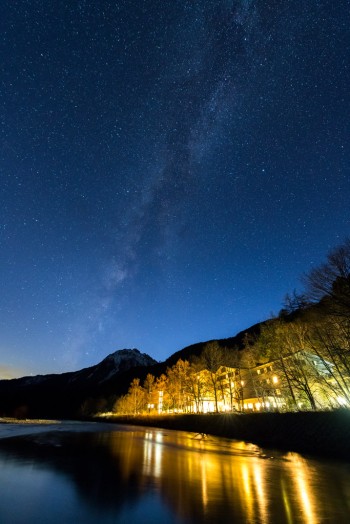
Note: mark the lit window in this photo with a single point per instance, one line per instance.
(275, 379)
(258, 371)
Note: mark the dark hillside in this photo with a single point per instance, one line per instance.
(74, 394)
(234, 343)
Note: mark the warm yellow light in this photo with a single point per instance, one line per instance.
(342, 401)
(275, 379)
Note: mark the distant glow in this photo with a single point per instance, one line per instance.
(342, 401)
(159, 437)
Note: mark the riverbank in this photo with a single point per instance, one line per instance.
(325, 434)
(12, 420)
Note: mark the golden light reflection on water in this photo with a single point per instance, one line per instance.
(260, 484)
(220, 481)
(248, 495)
(152, 463)
(301, 477)
(287, 507)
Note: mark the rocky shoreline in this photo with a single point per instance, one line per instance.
(325, 434)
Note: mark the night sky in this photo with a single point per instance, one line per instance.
(169, 169)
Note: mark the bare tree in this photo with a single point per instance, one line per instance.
(196, 385)
(161, 387)
(294, 302)
(330, 282)
(149, 387)
(329, 339)
(212, 357)
(136, 396)
(178, 385)
(281, 343)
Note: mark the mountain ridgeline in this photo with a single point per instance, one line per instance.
(318, 320)
(73, 394)
(63, 395)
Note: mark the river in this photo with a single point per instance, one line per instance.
(88, 473)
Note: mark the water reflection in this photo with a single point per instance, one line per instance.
(137, 474)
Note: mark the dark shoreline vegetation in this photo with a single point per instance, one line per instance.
(320, 434)
(323, 434)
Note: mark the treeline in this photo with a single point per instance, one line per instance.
(300, 360)
(184, 387)
(311, 338)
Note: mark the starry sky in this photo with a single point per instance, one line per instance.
(169, 169)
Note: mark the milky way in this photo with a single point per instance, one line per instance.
(168, 170)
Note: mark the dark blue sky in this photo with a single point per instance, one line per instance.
(169, 169)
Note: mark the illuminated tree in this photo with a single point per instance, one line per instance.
(149, 388)
(196, 386)
(161, 387)
(123, 406)
(136, 397)
(212, 357)
(329, 339)
(178, 385)
(271, 346)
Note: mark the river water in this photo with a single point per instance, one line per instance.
(123, 474)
